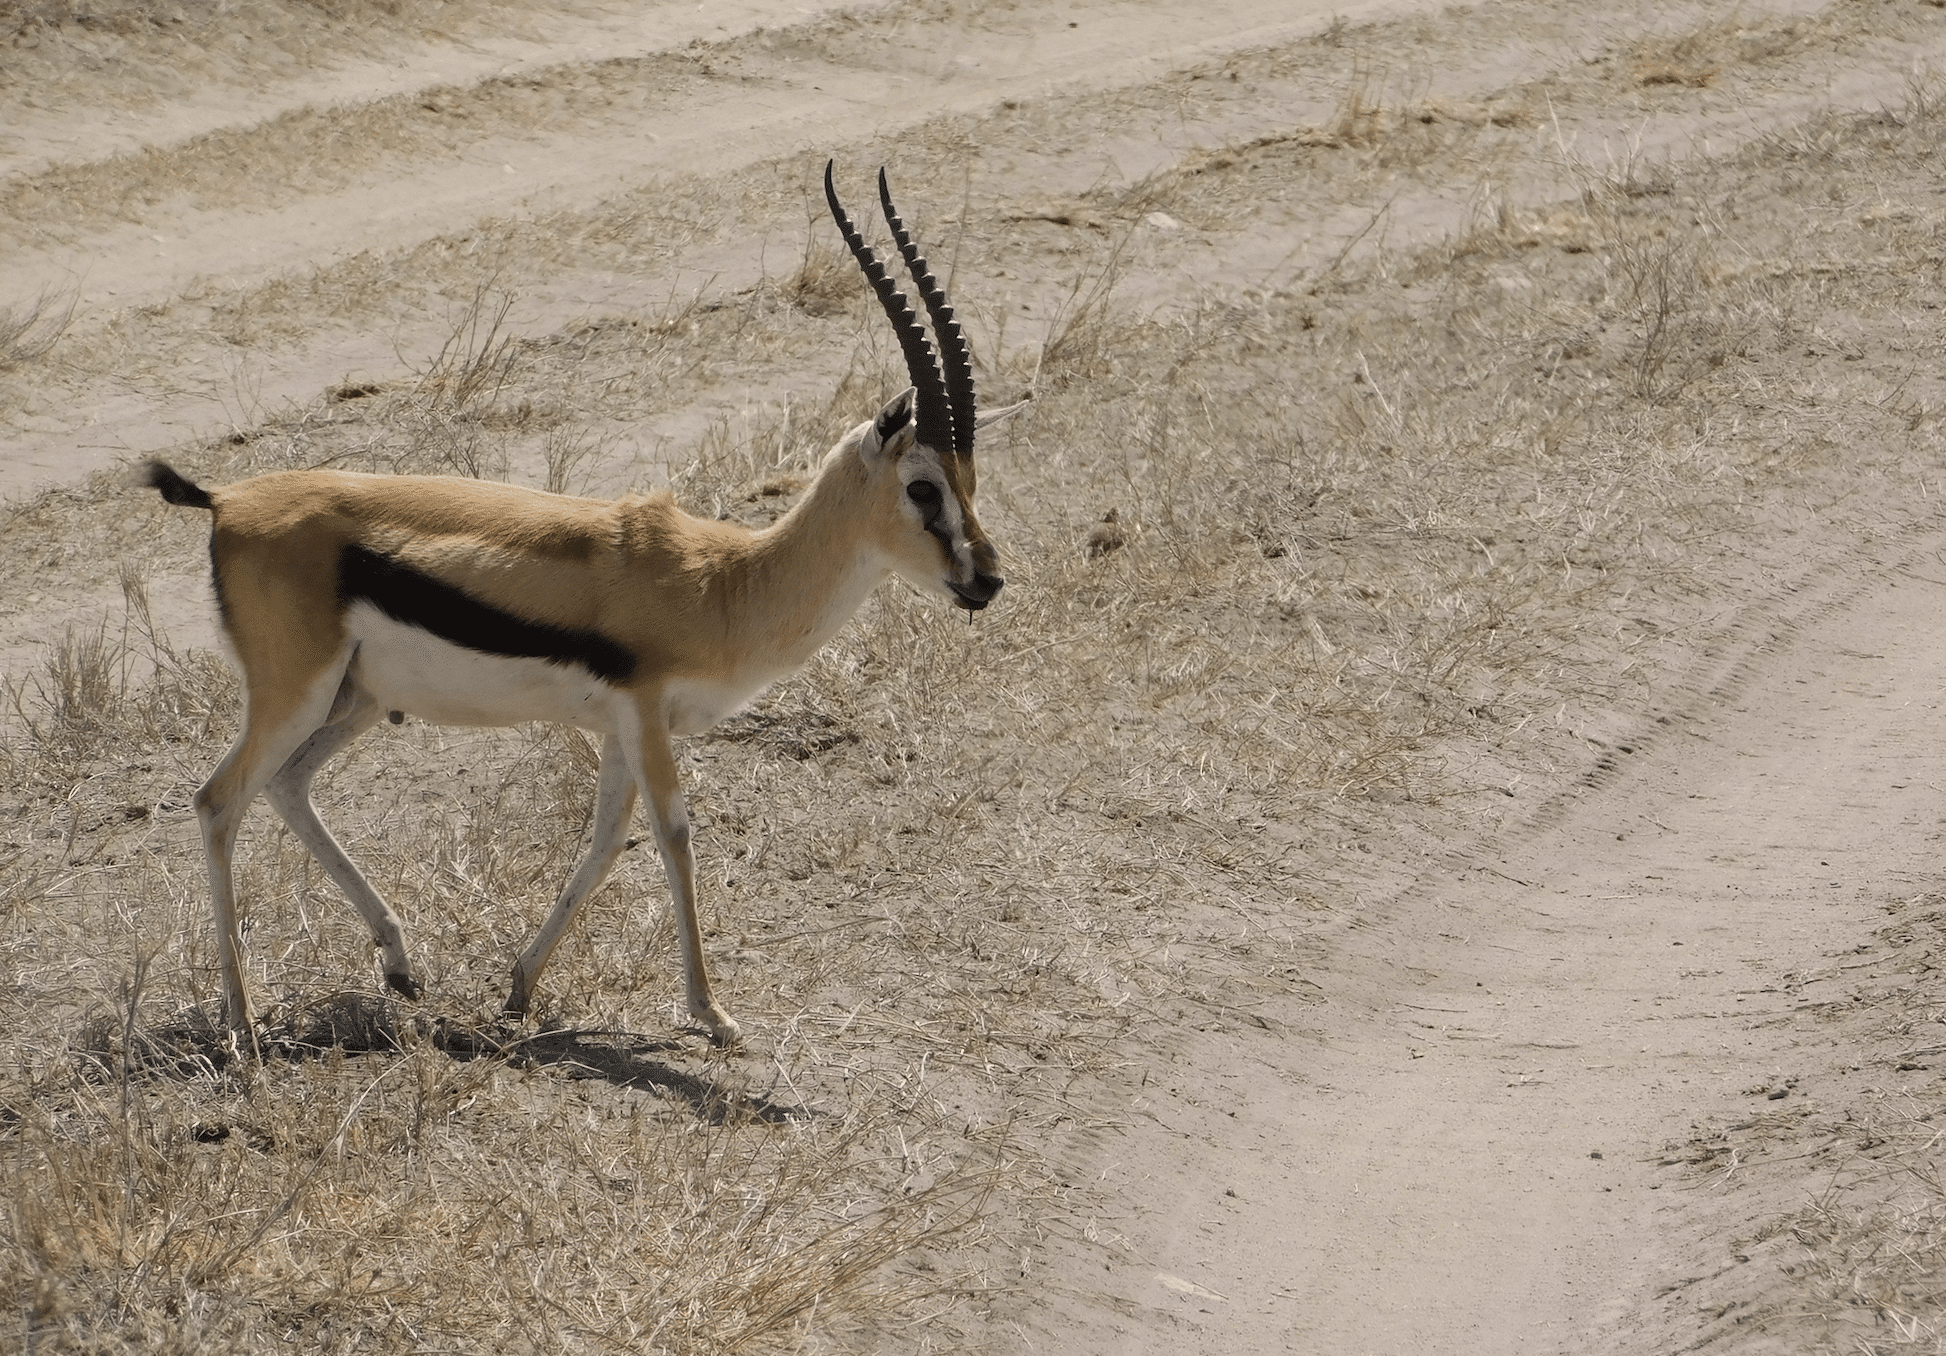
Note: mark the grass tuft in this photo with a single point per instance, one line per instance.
(28, 333)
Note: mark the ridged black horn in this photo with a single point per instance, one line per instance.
(954, 357)
(935, 423)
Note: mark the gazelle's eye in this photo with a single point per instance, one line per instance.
(925, 495)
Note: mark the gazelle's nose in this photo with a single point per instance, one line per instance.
(979, 593)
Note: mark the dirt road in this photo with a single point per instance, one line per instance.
(1470, 1139)
(677, 97)
(1473, 1127)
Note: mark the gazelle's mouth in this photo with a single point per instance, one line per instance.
(973, 601)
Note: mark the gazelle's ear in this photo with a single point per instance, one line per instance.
(991, 417)
(891, 433)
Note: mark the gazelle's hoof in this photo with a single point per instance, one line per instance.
(239, 1039)
(724, 1033)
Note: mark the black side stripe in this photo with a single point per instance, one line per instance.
(417, 599)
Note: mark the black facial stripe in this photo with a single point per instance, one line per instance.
(407, 595)
(933, 505)
(925, 496)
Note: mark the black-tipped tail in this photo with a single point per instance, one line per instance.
(177, 488)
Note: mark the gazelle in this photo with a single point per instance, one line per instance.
(348, 596)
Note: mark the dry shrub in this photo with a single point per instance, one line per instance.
(471, 368)
(1071, 350)
(29, 332)
(455, 404)
(826, 282)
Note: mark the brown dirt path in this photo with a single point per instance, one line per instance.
(1459, 1145)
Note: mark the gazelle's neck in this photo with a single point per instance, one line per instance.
(802, 578)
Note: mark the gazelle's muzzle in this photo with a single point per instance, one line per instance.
(985, 587)
(986, 583)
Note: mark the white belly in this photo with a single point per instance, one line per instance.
(692, 705)
(409, 669)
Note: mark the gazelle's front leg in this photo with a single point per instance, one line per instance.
(656, 773)
(614, 801)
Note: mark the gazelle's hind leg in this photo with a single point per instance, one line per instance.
(276, 722)
(614, 803)
(289, 792)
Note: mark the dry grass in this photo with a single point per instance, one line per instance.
(22, 18)
(1872, 1243)
(1851, 1264)
(1695, 57)
(311, 150)
(1292, 571)
(346, 1202)
(1871, 1246)
(827, 281)
(137, 54)
(650, 230)
(29, 332)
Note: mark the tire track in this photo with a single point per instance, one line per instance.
(242, 270)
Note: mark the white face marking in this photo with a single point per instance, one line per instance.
(407, 669)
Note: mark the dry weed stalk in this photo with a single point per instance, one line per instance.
(29, 332)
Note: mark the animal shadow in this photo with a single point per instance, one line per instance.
(195, 1045)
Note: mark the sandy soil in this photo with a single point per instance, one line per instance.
(1458, 1139)
(1453, 1145)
